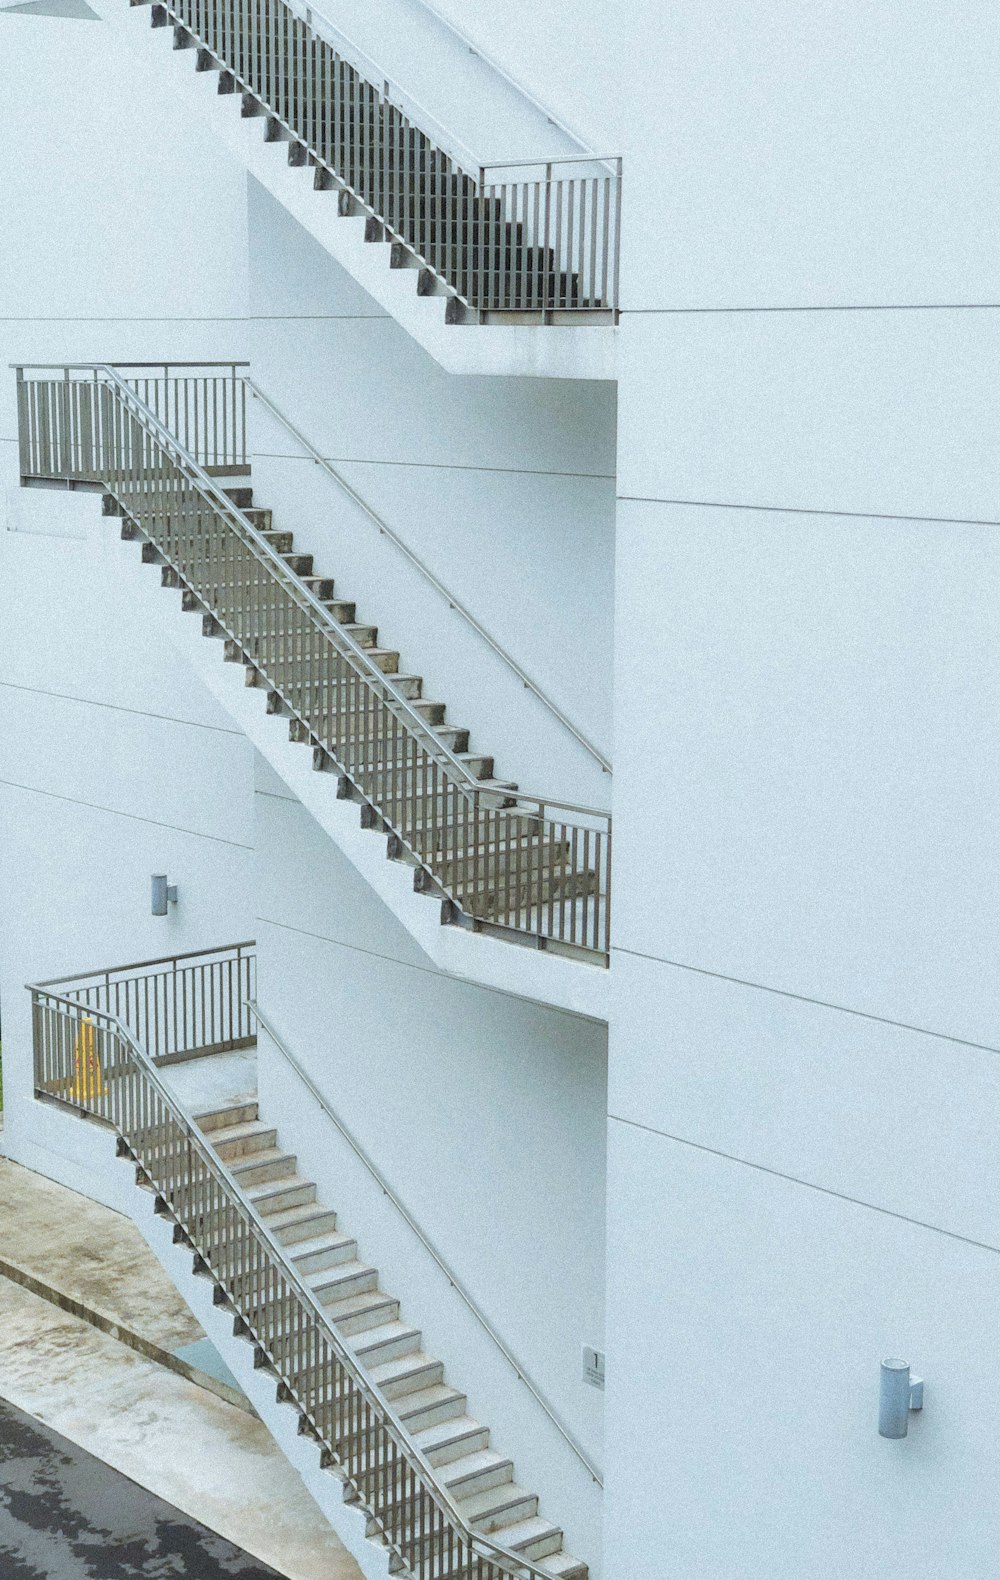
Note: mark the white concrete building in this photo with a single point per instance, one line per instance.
(690, 474)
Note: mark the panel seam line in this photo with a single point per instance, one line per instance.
(823, 1190)
(134, 817)
(117, 707)
(805, 998)
(809, 510)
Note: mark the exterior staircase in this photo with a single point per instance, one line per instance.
(435, 1413)
(384, 1442)
(527, 243)
(432, 233)
(523, 868)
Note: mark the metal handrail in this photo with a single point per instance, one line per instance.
(143, 965)
(453, 601)
(481, 849)
(343, 639)
(426, 1242)
(44, 998)
(536, 246)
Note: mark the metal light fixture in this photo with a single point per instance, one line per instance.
(164, 894)
(899, 1393)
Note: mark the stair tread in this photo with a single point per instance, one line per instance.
(523, 1533)
(279, 1186)
(289, 1217)
(246, 1131)
(425, 1398)
(481, 1505)
(401, 1367)
(249, 1101)
(563, 1566)
(341, 1272)
(373, 1337)
(445, 1433)
(333, 1240)
(355, 1305)
(474, 1464)
(266, 1155)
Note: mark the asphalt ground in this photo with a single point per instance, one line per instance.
(65, 1515)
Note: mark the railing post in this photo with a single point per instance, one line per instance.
(615, 303)
(65, 428)
(547, 235)
(23, 459)
(470, 251)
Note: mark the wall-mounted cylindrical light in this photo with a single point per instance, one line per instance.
(899, 1393)
(164, 894)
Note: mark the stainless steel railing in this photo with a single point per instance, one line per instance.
(204, 404)
(91, 1061)
(540, 238)
(177, 1005)
(515, 863)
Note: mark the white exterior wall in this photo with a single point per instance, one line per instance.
(802, 1151)
(122, 238)
(504, 487)
(485, 1112)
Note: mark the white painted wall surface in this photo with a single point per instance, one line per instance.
(124, 237)
(114, 764)
(803, 1048)
(504, 487)
(486, 1113)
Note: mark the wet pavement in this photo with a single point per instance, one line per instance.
(65, 1515)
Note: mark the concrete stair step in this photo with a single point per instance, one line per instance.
(314, 1254)
(479, 765)
(264, 1167)
(491, 1522)
(360, 1313)
(277, 1195)
(563, 1566)
(309, 1221)
(240, 1113)
(557, 887)
(407, 1374)
(478, 1471)
(364, 635)
(388, 1342)
(495, 1508)
(386, 658)
(342, 609)
(534, 1537)
(430, 1406)
(343, 1279)
(301, 564)
(235, 1141)
(452, 1439)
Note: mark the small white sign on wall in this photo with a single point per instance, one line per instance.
(593, 1367)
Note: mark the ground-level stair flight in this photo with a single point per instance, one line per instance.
(435, 1412)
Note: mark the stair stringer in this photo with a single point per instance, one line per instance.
(325, 1487)
(541, 975)
(513, 350)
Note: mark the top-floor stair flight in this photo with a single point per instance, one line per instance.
(522, 246)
